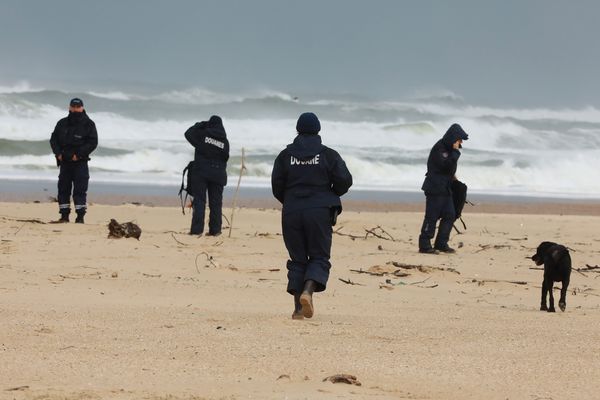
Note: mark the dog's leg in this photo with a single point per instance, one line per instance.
(550, 287)
(562, 303)
(544, 292)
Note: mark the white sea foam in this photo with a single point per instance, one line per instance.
(535, 151)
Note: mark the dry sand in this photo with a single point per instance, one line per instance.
(87, 317)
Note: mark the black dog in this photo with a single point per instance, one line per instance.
(557, 268)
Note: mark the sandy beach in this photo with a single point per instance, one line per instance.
(178, 317)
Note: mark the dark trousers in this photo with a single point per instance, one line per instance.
(437, 207)
(73, 176)
(307, 236)
(215, 205)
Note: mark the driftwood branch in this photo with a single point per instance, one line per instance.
(209, 258)
(423, 268)
(175, 239)
(496, 246)
(237, 189)
(484, 281)
(349, 282)
(337, 232)
(380, 233)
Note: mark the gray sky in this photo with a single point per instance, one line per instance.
(508, 53)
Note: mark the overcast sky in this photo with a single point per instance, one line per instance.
(505, 52)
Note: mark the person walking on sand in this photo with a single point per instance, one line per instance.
(73, 140)
(208, 174)
(441, 170)
(308, 178)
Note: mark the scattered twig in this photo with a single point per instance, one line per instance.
(373, 231)
(423, 268)
(209, 258)
(349, 282)
(361, 271)
(353, 237)
(489, 246)
(18, 388)
(423, 281)
(483, 281)
(21, 227)
(151, 276)
(175, 239)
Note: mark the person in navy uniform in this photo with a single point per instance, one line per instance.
(308, 178)
(73, 140)
(441, 170)
(209, 173)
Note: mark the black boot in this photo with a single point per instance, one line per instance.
(64, 217)
(306, 298)
(79, 219)
(297, 314)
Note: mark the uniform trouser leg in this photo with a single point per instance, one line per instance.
(215, 205)
(198, 204)
(448, 217)
(65, 185)
(437, 207)
(307, 236)
(81, 177)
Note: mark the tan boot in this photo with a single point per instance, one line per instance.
(306, 299)
(297, 314)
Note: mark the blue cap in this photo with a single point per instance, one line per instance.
(308, 123)
(76, 102)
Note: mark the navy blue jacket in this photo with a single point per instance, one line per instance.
(307, 174)
(74, 135)
(442, 163)
(211, 151)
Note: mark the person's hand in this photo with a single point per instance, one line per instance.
(59, 157)
(74, 158)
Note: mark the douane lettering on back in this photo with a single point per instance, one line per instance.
(214, 142)
(312, 161)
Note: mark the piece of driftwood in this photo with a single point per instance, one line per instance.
(481, 282)
(209, 258)
(343, 378)
(18, 388)
(175, 239)
(237, 189)
(349, 282)
(380, 233)
(126, 230)
(361, 271)
(353, 237)
(423, 268)
(495, 247)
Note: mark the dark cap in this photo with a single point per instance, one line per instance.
(308, 123)
(76, 102)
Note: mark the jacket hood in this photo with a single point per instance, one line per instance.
(214, 127)
(454, 133)
(305, 146)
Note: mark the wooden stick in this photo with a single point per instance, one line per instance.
(349, 282)
(237, 189)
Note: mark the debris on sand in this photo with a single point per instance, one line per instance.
(343, 378)
(127, 230)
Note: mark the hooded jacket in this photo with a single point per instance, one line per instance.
(442, 163)
(307, 174)
(211, 150)
(74, 135)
